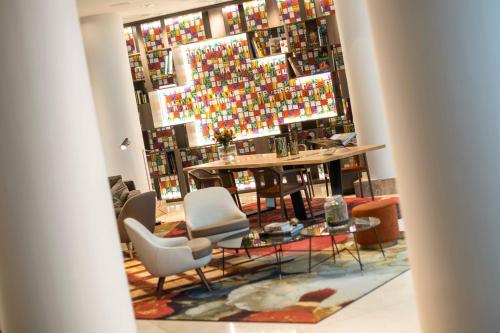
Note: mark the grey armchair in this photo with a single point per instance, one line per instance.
(121, 191)
(141, 207)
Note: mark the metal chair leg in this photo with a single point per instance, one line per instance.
(310, 181)
(258, 210)
(309, 204)
(284, 213)
(159, 287)
(327, 176)
(369, 177)
(360, 180)
(203, 279)
(238, 201)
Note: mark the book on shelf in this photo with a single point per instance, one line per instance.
(284, 46)
(169, 70)
(323, 35)
(257, 49)
(295, 66)
(275, 45)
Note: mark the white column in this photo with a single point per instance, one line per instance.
(114, 97)
(61, 265)
(439, 65)
(364, 84)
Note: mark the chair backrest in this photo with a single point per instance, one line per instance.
(266, 179)
(209, 206)
(204, 179)
(144, 244)
(141, 207)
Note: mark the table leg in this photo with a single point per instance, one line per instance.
(334, 246)
(310, 253)
(357, 250)
(222, 261)
(378, 241)
(278, 259)
(335, 170)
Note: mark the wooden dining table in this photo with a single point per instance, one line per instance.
(331, 156)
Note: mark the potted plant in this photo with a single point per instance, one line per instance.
(226, 149)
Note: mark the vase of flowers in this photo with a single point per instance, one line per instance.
(227, 150)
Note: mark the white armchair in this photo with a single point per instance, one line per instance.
(168, 256)
(211, 213)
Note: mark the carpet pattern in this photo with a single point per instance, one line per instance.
(252, 291)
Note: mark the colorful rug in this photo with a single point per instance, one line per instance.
(252, 290)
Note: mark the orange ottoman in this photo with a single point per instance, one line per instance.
(388, 230)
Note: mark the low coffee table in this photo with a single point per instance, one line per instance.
(353, 226)
(254, 241)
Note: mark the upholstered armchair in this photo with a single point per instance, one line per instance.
(212, 213)
(164, 257)
(141, 207)
(121, 191)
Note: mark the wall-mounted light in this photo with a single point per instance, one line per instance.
(125, 144)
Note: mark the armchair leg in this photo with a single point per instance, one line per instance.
(203, 279)
(130, 249)
(159, 288)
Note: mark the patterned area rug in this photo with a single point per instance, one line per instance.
(252, 290)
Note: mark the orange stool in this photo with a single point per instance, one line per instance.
(388, 230)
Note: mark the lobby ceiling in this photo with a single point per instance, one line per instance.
(135, 10)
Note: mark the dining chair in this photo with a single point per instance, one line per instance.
(277, 183)
(203, 179)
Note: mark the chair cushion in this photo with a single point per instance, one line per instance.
(120, 192)
(219, 228)
(200, 247)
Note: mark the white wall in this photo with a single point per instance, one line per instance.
(365, 90)
(114, 97)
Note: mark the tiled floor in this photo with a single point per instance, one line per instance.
(390, 308)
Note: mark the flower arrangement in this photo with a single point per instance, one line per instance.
(224, 136)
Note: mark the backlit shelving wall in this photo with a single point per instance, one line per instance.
(229, 85)
(252, 96)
